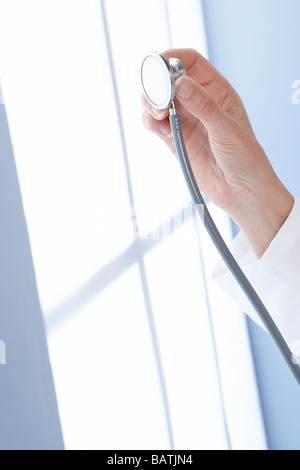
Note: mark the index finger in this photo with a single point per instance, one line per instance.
(158, 114)
(196, 66)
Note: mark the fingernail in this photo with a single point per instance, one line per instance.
(165, 130)
(184, 88)
(159, 113)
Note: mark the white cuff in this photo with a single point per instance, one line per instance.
(275, 277)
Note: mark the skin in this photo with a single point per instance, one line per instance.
(229, 164)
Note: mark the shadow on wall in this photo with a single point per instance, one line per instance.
(28, 410)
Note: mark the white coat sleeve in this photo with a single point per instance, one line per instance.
(275, 277)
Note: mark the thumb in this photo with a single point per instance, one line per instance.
(197, 101)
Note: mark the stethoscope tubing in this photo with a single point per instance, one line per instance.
(225, 253)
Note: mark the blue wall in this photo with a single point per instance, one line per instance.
(256, 45)
(28, 409)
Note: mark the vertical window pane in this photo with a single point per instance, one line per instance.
(105, 373)
(180, 304)
(65, 135)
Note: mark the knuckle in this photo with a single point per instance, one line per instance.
(205, 104)
(146, 118)
(193, 51)
(149, 122)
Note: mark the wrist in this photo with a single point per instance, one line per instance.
(263, 214)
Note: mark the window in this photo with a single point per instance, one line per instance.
(144, 353)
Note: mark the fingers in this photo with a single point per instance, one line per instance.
(196, 66)
(156, 120)
(156, 113)
(197, 101)
(159, 127)
(186, 56)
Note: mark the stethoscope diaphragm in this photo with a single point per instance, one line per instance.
(158, 76)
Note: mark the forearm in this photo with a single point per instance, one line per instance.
(263, 214)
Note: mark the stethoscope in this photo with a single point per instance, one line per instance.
(158, 76)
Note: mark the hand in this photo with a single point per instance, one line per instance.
(229, 164)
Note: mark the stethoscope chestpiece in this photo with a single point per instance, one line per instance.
(158, 76)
